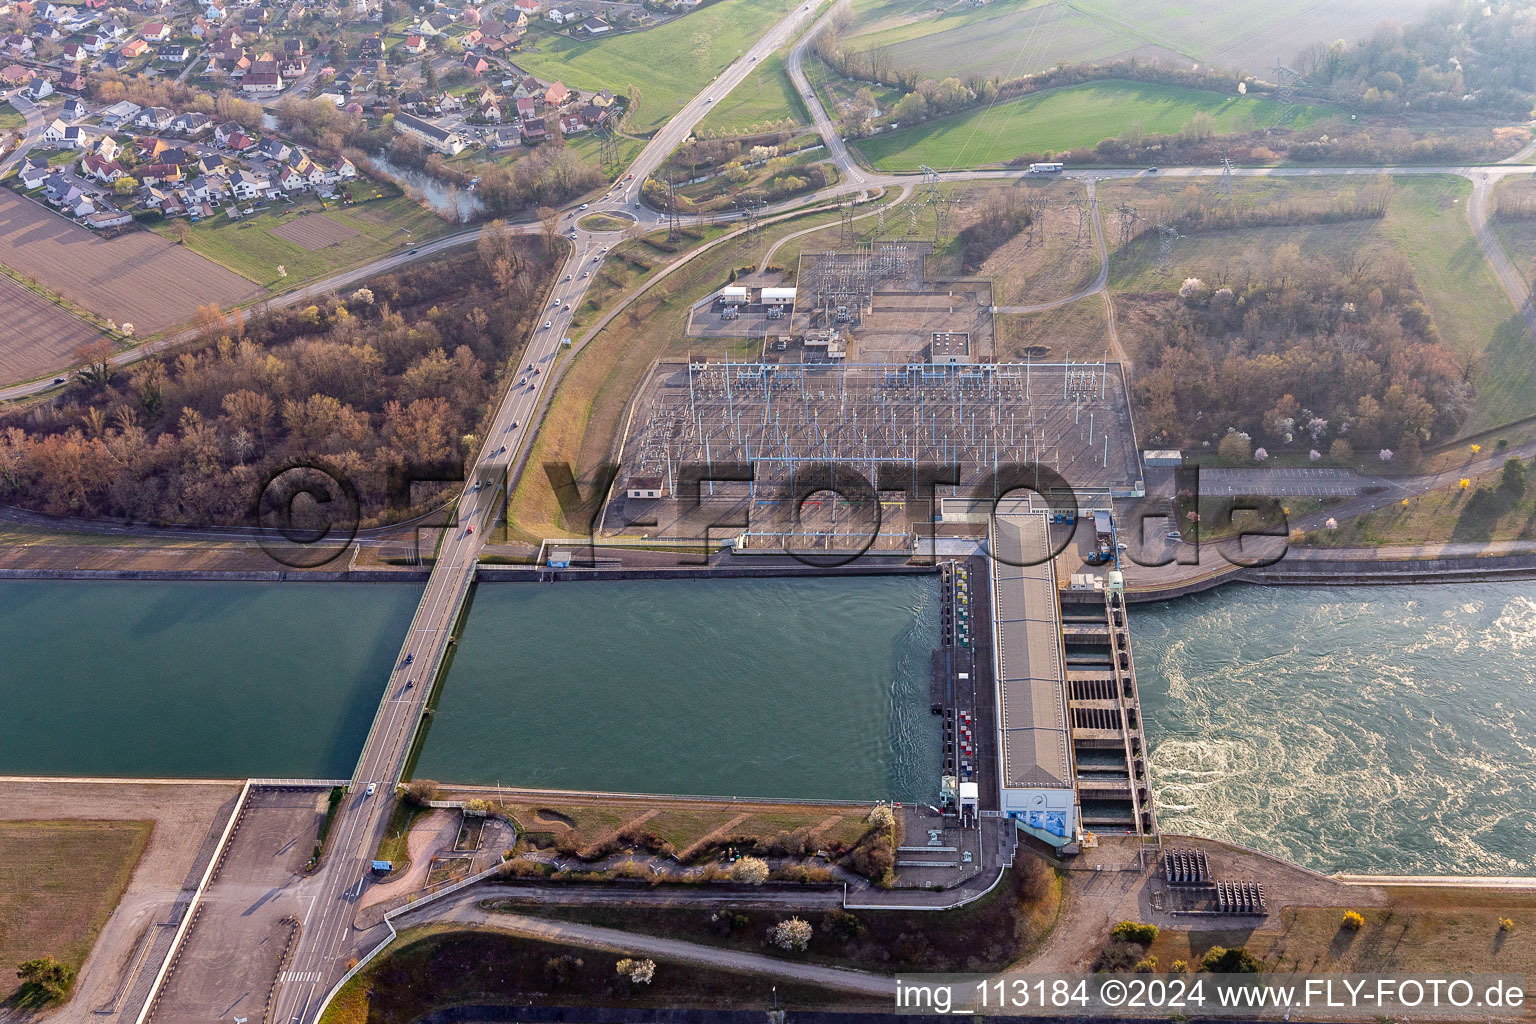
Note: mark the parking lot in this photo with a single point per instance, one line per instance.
(1289, 482)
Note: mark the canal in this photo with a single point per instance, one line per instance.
(760, 687)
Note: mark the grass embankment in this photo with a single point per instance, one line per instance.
(1419, 931)
(994, 932)
(669, 64)
(766, 97)
(1426, 225)
(436, 967)
(603, 222)
(249, 248)
(59, 882)
(691, 828)
(586, 414)
(1081, 326)
(1060, 119)
(11, 119)
(1450, 515)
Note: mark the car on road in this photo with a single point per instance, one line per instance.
(502, 450)
(567, 277)
(583, 273)
(513, 426)
(413, 252)
(583, 206)
(410, 658)
(548, 324)
(372, 788)
(1175, 535)
(1151, 170)
(60, 380)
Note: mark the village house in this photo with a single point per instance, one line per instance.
(556, 94)
(440, 139)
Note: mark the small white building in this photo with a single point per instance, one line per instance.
(733, 295)
(643, 487)
(778, 297)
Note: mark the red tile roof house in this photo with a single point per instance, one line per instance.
(557, 94)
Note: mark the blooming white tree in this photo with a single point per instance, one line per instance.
(882, 817)
(1314, 454)
(1260, 454)
(1332, 523)
(363, 295)
(792, 934)
(751, 870)
(638, 971)
(127, 330)
(1191, 287)
(1385, 455)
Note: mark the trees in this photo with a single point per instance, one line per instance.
(639, 972)
(1235, 447)
(1221, 960)
(792, 934)
(47, 976)
(750, 870)
(95, 359)
(549, 220)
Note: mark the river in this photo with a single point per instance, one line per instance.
(1366, 729)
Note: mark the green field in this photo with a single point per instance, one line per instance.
(248, 247)
(669, 64)
(11, 119)
(1006, 38)
(1060, 119)
(764, 97)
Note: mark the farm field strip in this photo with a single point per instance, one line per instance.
(138, 278)
(40, 335)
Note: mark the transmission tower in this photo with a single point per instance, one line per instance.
(608, 152)
(1286, 81)
(1224, 189)
(912, 216)
(1036, 206)
(674, 221)
(845, 210)
(880, 222)
(930, 184)
(1167, 234)
(1127, 216)
(1079, 204)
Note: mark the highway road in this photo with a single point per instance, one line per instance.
(327, 938)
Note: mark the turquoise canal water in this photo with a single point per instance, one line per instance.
(771, 688)
(1388, 729)
(1363, 729)
(193, 679)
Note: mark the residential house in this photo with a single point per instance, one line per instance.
(173, 53)
(290, 180)
(506, 137)
(273, 149)
(119, 113)
(114, 60)
(261, 82)
(532, 8)
(527, 86)
(72, 81)
(594, 115)
(560, 16)
(475, 64)
(107, 148)
(440, 139)
(18, 45)
(248, 185)
(159, 174)
(595, 27)
(155, 118)
(603, 99)
(556, 94)
(53, 134)
(156, 31)
(39, 88)
(15, 74)
(415, 44)
(74, 53)
(527, 108)
(103, 219)
(471, 38)
(570, 124)
(192, 124)
(133, 48)
(93, 166)
(534, 131)
(33, 173)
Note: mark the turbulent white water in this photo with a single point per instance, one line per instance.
(1379, 729)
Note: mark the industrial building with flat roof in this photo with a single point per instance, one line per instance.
(1036, 786)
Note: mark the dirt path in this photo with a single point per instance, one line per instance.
(431, 833)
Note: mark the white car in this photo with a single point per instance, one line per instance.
(583, 206)
(548, 324)
(372, 788)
